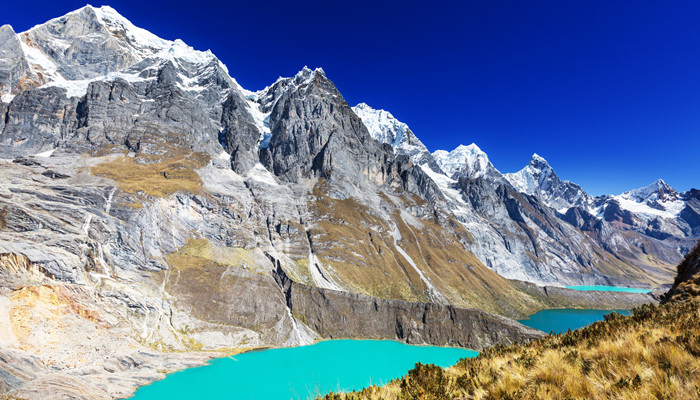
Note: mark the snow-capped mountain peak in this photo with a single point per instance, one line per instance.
(267, 96)
(537, 175)
(656, 200)
(658, 190)
(538, 162)
(69, 51)
(140, 42)
(468, 159)
(383, 127)
(539, 179)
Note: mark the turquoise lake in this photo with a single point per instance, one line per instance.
(300, 373)
(306, 372)
(603, 288)
(562, 320)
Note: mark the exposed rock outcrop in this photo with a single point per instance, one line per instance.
(335, 314)
(687, 283)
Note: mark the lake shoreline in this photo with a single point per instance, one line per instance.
(588, 316)
(393, 352)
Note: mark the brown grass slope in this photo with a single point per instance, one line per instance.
(652, 354)
(360, 246)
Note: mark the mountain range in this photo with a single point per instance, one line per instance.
(149, 198)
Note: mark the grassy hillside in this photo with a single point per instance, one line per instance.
(652, 354)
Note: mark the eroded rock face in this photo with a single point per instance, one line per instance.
(316, 134)
(37, 120)
(687, 283)
(15, 74)
(240, 135)
(338, 315)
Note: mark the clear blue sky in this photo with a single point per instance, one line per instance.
(607, 91)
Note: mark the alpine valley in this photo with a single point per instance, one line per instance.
(155, 214)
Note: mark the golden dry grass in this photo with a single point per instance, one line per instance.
(653, 354)
(198, 253)
(155, 176)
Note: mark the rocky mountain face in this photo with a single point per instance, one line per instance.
(148, 198)
(656, 211)
(687, 283)
(384, 128)
(539, 179)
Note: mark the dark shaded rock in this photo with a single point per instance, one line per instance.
(581, 219)
(691, 214)
(240, 135)
(55, 175)
(37, 120)
(614, 213)
(315, 133)
(687, 283)
(333, 314)
(26, 161)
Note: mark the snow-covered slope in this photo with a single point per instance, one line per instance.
(470, 160)
(656, 200)
(539, 179)
(126, 51)
(387, 129)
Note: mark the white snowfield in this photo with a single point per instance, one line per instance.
(383, 127)
(137, 42)
(463, 158)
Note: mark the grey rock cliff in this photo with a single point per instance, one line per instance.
(15, 75)
(336, 315)
(240, 135)
(316, 134)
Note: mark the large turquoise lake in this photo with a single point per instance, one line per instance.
(558, 321)
(603, 288)
(299, 373)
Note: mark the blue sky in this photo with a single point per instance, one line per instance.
(608, 92)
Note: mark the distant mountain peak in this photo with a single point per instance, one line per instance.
(68, 51)
(538, 178)
(539, 162)
(385, 128)
(657, 191)
(469, 159)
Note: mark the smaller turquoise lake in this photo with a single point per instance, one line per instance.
(300, 373)
(602, 288)
(558, 321)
